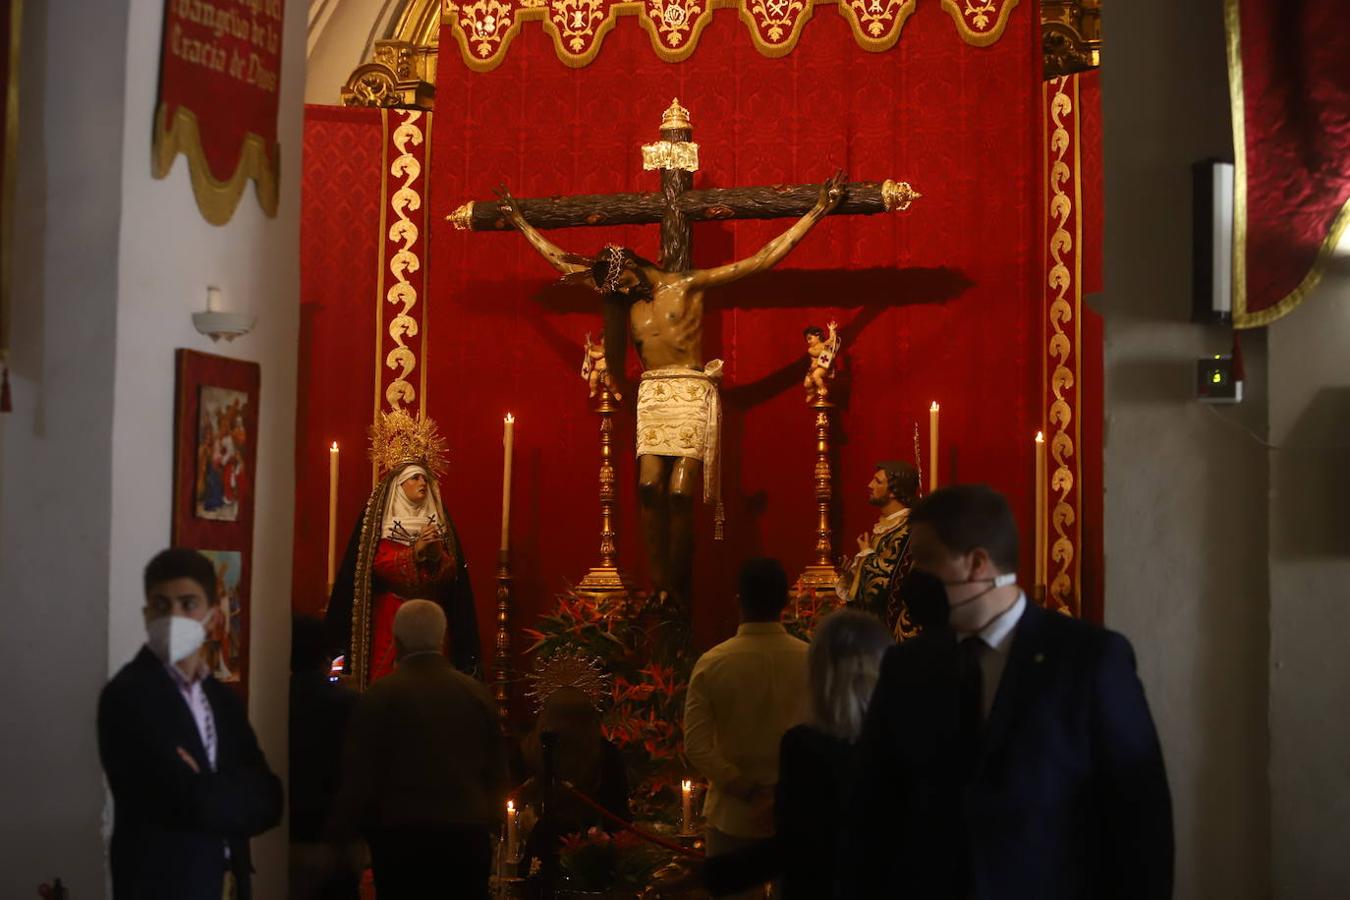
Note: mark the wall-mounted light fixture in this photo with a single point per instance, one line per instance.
(217, 323)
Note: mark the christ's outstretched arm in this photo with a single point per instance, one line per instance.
(772, 253)
(556, 256)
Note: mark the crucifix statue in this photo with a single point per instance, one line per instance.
(678, 410)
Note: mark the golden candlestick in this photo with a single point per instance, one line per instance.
(606, 578)
(821, 575)
(503, 666)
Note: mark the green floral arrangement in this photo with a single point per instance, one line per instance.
(597, 861)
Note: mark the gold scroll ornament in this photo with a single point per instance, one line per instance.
(1064, 295)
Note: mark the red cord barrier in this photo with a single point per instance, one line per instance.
(629, 826)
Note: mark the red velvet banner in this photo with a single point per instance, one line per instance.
(1291, 134)
(943, 302)
(484, 30)
(219, 81)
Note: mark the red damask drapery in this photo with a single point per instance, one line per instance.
(944, 302)
(1291, 132)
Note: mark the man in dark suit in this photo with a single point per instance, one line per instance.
(320, 710)
(1008, 752)
(424, 771)
(189, 784)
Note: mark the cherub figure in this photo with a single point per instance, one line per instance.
(822, 349)
(595, 369)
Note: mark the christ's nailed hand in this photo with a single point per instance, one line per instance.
(506, 203)
(832, 191)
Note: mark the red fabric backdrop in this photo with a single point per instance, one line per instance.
(941, 302)
(339, 267)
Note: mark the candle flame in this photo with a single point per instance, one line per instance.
(934, 407)
(510, 418)
(334, 447)
(510, 807)
(686, 786)
(1040, 437)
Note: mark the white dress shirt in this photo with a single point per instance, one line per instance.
(200, 707)
(743, 694)
(997, 637)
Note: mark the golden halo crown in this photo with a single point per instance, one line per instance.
(568, 669)
(675, 116)
(396, 439)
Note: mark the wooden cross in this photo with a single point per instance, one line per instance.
(678, 206)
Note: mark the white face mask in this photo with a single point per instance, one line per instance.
(174, 638)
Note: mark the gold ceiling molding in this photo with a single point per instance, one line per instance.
(1071, 36)
(402, 68)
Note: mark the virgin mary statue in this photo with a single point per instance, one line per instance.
(403, 548)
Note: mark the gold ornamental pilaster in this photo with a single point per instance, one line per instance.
(1061, 330)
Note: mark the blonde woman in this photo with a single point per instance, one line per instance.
(815, 759)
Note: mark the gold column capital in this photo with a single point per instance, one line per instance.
(1071, 36)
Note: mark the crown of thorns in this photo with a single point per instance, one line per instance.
(617, 260)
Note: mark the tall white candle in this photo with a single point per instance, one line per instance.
(512, 836)
(686, 807)
(933, 447)
(508, 442)
(1041, 501)
(332, 513)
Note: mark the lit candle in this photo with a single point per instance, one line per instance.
(332, 513)
(508, 441)
(933, 447)
(1040, 510)
(511, 835)
(686, 807)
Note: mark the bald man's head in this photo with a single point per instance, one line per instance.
(419, 627)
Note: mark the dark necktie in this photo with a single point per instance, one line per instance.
(970, 700)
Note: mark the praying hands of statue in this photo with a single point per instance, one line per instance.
(429, 536)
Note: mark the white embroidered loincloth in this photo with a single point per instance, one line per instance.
(679, 413)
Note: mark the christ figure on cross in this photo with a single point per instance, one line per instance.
(678, 412)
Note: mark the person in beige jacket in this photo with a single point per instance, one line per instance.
(743, 695)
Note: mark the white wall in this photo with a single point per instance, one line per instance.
(169, 254)
(1185, 507)
(55, 448)
(110, 265)
(1310, 593)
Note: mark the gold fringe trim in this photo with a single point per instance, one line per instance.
(1241, 318)
(979, 37)
(890, 35)
(217, 200)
